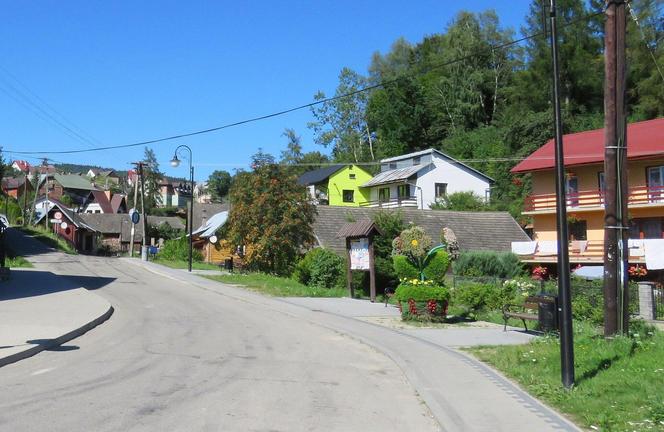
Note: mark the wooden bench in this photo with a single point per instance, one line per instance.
(522, 311)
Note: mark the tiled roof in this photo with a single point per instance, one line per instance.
(361, 228)
(109, 223)
(319, 175)
(101, 199)
(13, 182)
(116, 202)
(475, 231)
(644, 139)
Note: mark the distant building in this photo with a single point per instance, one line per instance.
(337, 185)
(16, 187)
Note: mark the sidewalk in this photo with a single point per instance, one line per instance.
(40, 310)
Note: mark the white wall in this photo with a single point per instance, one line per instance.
(458, 179)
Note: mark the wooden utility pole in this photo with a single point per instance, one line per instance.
(145, 222)
(616, 314)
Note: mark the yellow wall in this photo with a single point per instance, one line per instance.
(340, 181)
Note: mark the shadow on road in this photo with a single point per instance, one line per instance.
(31, 283)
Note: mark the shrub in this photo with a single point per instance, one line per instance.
(497, 264)
(413, 243)
(327, 270)
(436, 268)
(404, 268)
(178, 250)
(421, 292)
(472, 296)
(321, 268)
(422, 300)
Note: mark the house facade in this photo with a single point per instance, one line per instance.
(585, 191)
(170, 194)
(337, 185)
(16, 187)
(421, 179)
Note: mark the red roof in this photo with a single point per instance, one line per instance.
(644, 139)
(22, 165)
(101, 199)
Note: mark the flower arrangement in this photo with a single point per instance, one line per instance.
(540, 272)
(422, 300)
(637, 271)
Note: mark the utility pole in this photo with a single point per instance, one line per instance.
(616, 314)
(133, 225)
(145, 222)
(564, 294)
(25, 199)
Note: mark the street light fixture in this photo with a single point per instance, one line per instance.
(175, 162)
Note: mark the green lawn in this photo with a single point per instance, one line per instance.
(185, 264)
(17, 261)
(619, 382)
(277, 286)
(49, 239)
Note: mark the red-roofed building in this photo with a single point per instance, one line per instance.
(584, 166)
(21, 165)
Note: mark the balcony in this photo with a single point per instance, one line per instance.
(406, 201)
(640, 196)
(582, 252)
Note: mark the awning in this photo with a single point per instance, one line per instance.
(393, 176)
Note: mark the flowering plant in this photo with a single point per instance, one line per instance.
(637, 271)
(539, 272)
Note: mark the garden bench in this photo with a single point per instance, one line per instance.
(522, 311)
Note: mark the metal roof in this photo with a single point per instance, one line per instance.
(319, 175)
(211, 225)
(73, 181)
(444, 156)
(395, 175)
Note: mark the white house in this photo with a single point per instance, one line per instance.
(422, 178)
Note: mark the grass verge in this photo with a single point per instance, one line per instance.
(184, 264)
(619, 381)
(49, 239)
(277, 286)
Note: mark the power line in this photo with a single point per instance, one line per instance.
(645, 41)
(308, 105)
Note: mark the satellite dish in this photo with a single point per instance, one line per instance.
(213, 239)
(63, 225)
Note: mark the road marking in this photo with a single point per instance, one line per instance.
(41, 371)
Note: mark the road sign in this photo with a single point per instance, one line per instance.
(58, 215)
(63, 225)
(134, 216)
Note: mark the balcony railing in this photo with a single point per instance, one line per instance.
(640, 195)
(409, 201)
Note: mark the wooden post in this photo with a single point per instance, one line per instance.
(349, 273)
(372, 271)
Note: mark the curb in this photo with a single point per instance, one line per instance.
(57, 341)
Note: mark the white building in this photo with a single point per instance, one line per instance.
(422, 178)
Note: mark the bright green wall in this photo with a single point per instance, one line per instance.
(341, 180)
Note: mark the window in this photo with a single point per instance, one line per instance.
(384, 194)
(393, 165)
(578, 230)
(348, 196)
(403, 191)
(646, 228)
(572, 190)
(602, 186)
(441, 190)
(656, 183)
(416, 160)
(351, 176)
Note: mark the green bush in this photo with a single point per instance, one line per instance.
(327, 270)
(483, 263)
(404, 268)
(178, 250)
(436, 268)
(473, 296)
(320, 268)
(406, 292)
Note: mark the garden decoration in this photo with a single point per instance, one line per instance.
(421, 269)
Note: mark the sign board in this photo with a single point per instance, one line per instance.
(134, 216)
(55, 221)
(63, 225)
(359, 254)
(58, 215)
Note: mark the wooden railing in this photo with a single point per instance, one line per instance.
(409, 201)
(640, 195)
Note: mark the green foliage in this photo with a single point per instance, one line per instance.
(219, 184)
(178, 250)
(320, 268)
(406, 291)
(436, 267)
(404, 268)
(461, 201)
(164, 231)
(472, 296)
(484, 263)
(165, 211)
(272, 215)
(277, 286)
(414, 243)
(151, 178)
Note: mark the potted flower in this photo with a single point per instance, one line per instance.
(637, 272)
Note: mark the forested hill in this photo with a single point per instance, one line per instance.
(78, 168)
(455, 91)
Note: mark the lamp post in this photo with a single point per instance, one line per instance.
(175, 162)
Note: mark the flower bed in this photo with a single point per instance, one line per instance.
(422, 300)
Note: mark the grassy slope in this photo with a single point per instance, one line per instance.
(49, 239)
(619, 382)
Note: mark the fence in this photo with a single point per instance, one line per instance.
(658, 294)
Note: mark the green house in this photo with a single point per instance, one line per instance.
(337, 185)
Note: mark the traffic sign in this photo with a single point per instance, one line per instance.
(134, 216)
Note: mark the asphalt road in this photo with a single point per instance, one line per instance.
(174, 357)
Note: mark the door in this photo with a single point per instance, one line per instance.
(572, 190)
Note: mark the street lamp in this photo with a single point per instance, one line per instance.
(175, 162)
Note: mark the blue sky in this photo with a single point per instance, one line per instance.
(121, 72)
